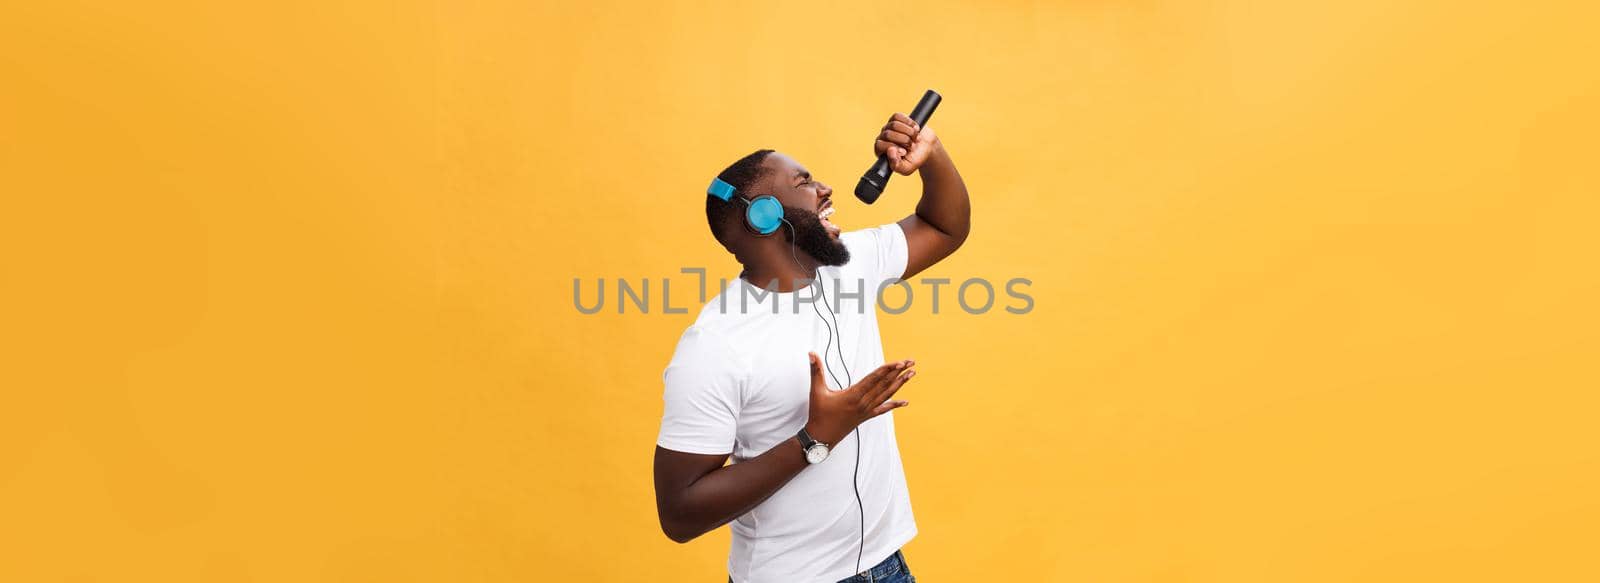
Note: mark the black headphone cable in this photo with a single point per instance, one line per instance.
(855, 476)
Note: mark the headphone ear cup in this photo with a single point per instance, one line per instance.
(764, 214)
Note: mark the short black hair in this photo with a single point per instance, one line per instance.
(722, 214)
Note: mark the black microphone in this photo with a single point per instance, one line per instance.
(877, 176)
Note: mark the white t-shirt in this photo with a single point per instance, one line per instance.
(740, 382)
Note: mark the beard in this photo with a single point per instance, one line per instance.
(813, 239)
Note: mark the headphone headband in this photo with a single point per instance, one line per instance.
(721, 189)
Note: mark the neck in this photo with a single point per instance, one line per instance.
(773, 265)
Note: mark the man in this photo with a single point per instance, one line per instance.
(816, 492)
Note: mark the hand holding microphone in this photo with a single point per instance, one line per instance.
(902, 147)
(905, 144)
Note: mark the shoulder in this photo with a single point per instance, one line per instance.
(876, 254)
(706, 351)
(873, 238)
(701, 341)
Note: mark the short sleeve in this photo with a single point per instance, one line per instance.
(701, 397)
(878, 254)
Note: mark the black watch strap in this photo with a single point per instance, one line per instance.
(805, 439)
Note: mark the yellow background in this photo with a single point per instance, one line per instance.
(288, 286)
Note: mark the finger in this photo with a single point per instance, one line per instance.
(909, 129)
(901, 164)
(902, 118)
(887, 148)
(898, 383)
(890, 387)
(872, 379)
(889, 406)
(816, 373)
(881, 384)
(895, 137)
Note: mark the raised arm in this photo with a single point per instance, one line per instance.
(944, 215)
(696, 493)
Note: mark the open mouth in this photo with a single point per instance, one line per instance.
(827, 211)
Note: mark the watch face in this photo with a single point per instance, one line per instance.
(816, 453)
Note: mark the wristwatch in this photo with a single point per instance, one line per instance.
(816, 451)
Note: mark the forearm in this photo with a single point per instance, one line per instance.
(944, 205)
(730, 491)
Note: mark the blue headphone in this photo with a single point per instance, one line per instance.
(762, 214)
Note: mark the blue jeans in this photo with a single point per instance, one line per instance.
(891, 570)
